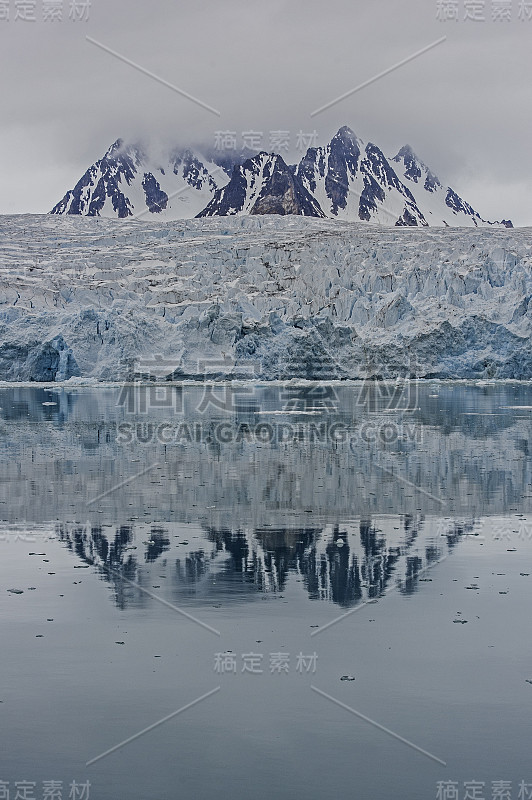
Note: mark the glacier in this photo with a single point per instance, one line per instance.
(261, 298)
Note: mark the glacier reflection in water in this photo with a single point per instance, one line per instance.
(348, 487)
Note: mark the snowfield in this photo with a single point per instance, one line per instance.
(261, 297)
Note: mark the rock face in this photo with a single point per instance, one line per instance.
(156, 199)
(438, 204)
(127, 182)
(347, 179)
(352, 180)
(261, 297)
(101, 186)
(263, 185)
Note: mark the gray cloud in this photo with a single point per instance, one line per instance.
(465, 106)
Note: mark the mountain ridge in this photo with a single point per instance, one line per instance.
(345, 179)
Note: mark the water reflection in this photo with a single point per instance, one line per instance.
(203, 522)
(341, 564)
(360, 488)
(460, 450)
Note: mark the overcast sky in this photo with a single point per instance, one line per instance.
(465, 106)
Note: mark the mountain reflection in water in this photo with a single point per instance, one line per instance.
(344, 565)
(221, 513)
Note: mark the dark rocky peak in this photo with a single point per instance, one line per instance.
(455, 202)
(347, 136)
(283, 192)
(378, 165)
(115, 148)
(186, 163)
(120, 153)
(272, 185)
(415, 168)
(337, 163)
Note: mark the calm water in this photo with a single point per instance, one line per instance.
(233, 553)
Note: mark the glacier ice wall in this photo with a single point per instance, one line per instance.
(261, 297)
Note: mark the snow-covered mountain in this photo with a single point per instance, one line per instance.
(352, 180)
(126, 182)
(263, 185)
(438, 204)
(346, 179)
